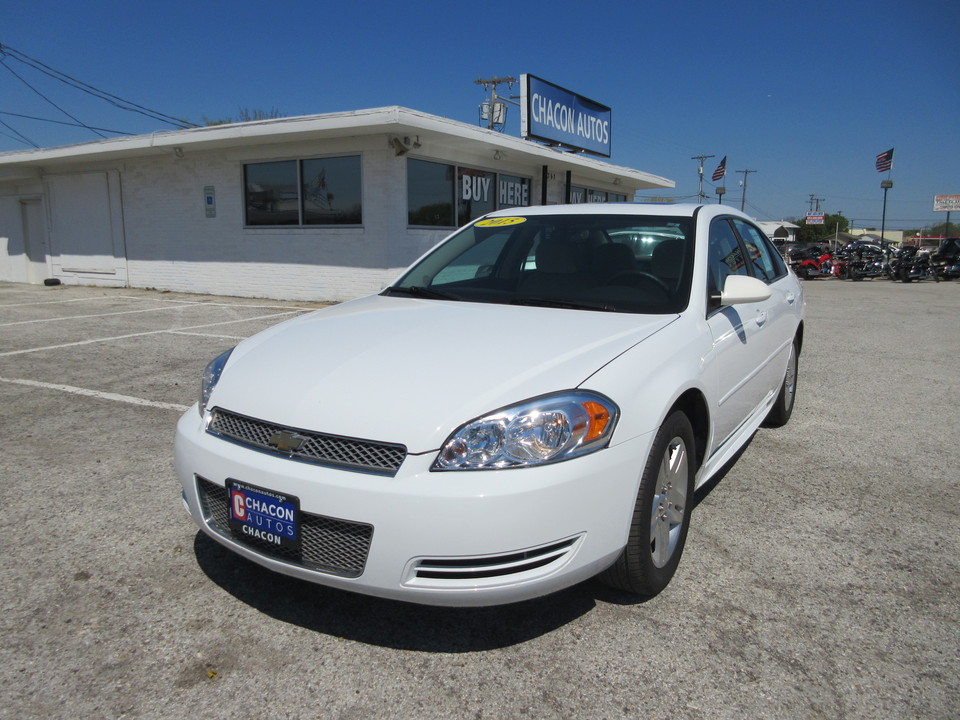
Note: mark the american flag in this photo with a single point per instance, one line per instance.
(722, 169)
(885, 161)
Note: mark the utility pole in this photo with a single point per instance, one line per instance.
(743, 200)
(494, 110)
(700, 196)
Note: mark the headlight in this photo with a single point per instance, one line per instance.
(211, 375)
(543, 430)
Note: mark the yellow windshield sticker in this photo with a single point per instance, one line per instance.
(500, 222)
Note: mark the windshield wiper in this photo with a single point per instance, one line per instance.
(421, 292)
(569, 304)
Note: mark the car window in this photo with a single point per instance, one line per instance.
(725, 255)
(476, 261)
(766, 262)
(609, 262)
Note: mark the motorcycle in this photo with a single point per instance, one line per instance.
(908, 264)
(811, 263)
(858, 260)
(945, 262)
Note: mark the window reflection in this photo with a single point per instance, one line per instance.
(272, 193)
(429, 193)
(331, 191)
(319, 191)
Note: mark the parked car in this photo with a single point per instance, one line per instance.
(531, 404)
(945, 262)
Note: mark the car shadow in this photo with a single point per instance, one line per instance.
(407, 626)
(395, 624)
(704, 490)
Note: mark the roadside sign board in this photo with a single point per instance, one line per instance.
(946, 203)
(555, 115)
(815, 218)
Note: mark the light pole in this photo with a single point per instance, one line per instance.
(886, 185)
(720, 192)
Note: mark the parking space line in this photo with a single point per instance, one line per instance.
(209, 335)
(221, 304)
(53, 302)
(92, 341)
(86, 317)
(116, 397)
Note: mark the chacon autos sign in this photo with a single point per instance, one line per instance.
(554, 115)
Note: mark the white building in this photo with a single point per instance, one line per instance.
(782, 233)
(321, 207)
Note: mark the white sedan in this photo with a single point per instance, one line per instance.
(533, 403)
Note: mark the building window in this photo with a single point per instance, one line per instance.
(318, 191)
(429, 193)
(589, 195)
(513, 191)
(440, 195)
(331, 191)
(477, 194)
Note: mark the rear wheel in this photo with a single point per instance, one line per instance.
(782, 408)
(661, 513)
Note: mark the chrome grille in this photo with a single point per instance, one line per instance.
(328, 544)
(314, 447)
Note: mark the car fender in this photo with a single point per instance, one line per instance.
(648, 380)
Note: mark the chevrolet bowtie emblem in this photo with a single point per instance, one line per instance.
(287, 441)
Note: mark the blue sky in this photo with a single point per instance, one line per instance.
(804, 93)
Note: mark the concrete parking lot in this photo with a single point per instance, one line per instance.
(820, 578)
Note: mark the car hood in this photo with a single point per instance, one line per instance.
(410, 371)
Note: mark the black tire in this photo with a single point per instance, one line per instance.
(782, 409)
(652, 553)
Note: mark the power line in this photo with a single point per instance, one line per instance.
(19, 135)
(61, 122)
(3, 62)
(114, 100)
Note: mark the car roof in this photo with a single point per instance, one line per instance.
(639, 209)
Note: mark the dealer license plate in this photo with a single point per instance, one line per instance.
(260, 514)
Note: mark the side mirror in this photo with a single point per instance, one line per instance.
(739, 289)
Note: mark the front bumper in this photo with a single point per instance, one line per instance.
(439, 538)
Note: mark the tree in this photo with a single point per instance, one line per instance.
(244, 115)
(942, 230)
(815, 233)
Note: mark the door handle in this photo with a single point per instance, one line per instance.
(761, 317)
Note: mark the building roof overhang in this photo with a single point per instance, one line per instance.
(440, 133)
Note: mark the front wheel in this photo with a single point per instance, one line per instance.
(661, 513)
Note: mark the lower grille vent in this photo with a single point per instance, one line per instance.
(338, 547)
(491, 567)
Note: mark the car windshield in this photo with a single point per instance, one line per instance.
(615, 263)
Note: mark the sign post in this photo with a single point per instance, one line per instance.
(946, 203)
